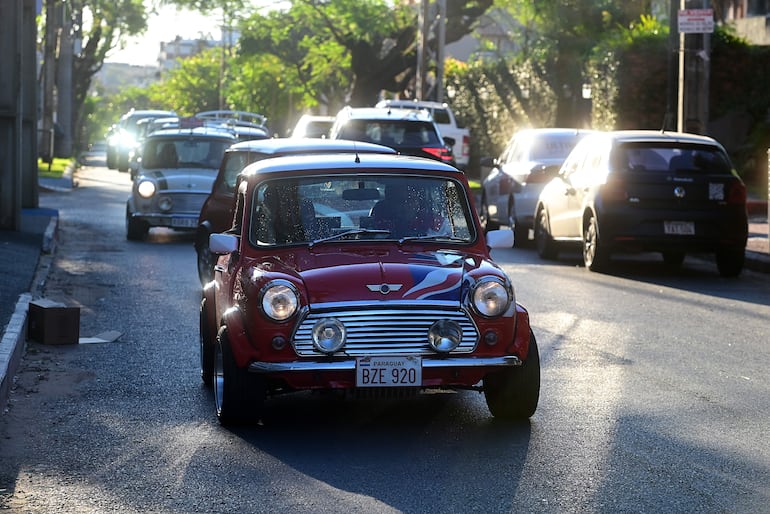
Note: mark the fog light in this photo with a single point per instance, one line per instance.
(445, 335)
(279, 343)
(490, 338)
(329, 335)
(165, 203)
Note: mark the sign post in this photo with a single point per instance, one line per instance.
(692, 21)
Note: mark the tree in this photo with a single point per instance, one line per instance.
(559, 38)
(101, 25)
(190, 88)
(378, 39)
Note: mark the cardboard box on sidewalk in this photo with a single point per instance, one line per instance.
(52, 322)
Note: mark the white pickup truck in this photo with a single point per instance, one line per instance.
(459, 138)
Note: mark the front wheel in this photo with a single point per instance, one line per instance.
(207, 347)
(730, 261)
(512, 393)
(206, 261)
(238, 394)
(136, 230)
(486, 223)
(546, 246)
(595, 253)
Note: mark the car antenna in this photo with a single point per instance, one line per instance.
(358, 158)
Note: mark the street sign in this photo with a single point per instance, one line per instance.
(696, 21)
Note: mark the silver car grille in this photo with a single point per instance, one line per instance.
(185, 202)
(386, 331)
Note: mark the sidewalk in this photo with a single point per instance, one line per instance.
(26, 257)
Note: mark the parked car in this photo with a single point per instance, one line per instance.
(645, 191)
(124, 136)
(312, 126)
(408, 131)
(453, 133)
(176, 172)
(361, 273)
(217, 212)
(510, 191)
(246, 125)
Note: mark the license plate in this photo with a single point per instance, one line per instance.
(184, 222)
(394, 371)
(680, 228)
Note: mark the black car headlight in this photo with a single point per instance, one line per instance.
(280, 300)
(491, 297)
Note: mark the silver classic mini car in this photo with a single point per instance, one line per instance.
(175, 175)
(361, 272)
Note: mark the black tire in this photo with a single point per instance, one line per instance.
(238, 395)
(673, 260)
(207, 344)
(486, 223)
(547, 248)
(595, 253)
(520, 231)
(136, 230)
(730, 261)
(206, 260)
(512, 393)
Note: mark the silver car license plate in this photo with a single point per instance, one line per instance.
(389, 371)
(679, 228)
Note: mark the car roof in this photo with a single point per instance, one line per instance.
(565, 131)
(412, 104)
(385, 113)
(659, 136)
(192, 132)
(147, 113)
(286, 145)
(343, 163)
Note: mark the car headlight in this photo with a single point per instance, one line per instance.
(165, 203)
(491, 297)
(445, 335)
(280, 300)
(146, 188)
(329, 335)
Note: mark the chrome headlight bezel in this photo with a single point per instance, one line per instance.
(329, 335)
(146, 188)
(491, 297)
(279, 300)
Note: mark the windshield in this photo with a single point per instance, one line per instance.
(318, 210)
(553, 147)
(169, 153)
(670, 158)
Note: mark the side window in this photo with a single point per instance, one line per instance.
(233, 165)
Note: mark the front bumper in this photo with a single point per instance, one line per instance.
(350, 364)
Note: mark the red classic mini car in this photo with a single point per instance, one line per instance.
(352, 271)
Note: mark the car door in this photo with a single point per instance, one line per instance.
(564, 195)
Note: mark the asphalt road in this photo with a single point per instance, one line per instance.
(655, 398)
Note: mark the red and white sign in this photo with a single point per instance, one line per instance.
(696, 21)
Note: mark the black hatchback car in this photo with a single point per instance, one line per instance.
(672, 193)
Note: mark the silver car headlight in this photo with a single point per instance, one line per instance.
(329, 335)
(146, 188)
(491, 297)
(280, 300)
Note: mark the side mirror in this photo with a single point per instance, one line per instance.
(487, 162)
(450, 141)
(500, 238)
(221, 244)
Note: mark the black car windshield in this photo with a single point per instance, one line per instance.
(169, 153)
(345, 208)
(670, 158)
(393, 133)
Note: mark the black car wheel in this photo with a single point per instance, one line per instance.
(595, 254)
(730, 260)
(238, 394)
(207, 344)
(520, 231)
(206, 260)
(486, 223)
(513, 393)
(547, 248)
(136, 230)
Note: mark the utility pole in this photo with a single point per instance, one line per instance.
(695, 26)
(49, 80)
(422, 39)
(440, 50)
(65, 97)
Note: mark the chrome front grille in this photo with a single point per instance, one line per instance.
(395, 331)
(185, 202)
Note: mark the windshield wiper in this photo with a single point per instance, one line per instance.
(353, 232)
(433, 237)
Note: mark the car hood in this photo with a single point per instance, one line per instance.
(194, 179)
(373, 276)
